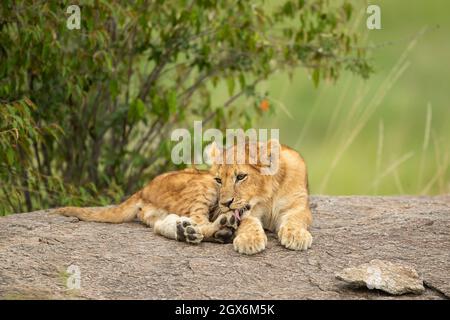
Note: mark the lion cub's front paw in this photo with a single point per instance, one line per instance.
(295, 238)
(189, 232)
(249, 243)
(224, 235)
(228, 220)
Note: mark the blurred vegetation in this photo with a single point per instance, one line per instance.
(385, 135)
(86, 114)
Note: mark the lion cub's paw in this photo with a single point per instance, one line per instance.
(250, 243)
(295, 238)
(228, 220)
(189, 232)
(224, 235)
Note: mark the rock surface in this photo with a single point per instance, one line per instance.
(393, 278)
(129, 261)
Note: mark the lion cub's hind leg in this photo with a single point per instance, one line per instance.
(170, 225)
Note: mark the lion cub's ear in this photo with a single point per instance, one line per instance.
(212, 154)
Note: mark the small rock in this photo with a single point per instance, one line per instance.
(393, 278)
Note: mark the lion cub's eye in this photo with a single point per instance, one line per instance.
(218, 180)
(240, 176)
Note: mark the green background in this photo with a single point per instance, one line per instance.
(372, 137)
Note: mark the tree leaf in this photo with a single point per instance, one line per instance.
(316, 77)
(230, 85)
(172, 101)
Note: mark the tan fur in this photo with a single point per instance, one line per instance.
(178, 204)
(278, 202)
(165, 203)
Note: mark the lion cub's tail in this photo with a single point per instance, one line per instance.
(124, 212)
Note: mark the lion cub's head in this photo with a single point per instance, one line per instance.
(244, 174)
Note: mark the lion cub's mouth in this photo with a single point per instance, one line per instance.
(238, 213)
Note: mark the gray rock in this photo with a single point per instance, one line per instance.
(128, 261)
(393, 278)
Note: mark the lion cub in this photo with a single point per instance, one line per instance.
(271, 195)
(178, 205)
(192, 205)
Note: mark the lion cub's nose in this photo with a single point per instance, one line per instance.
(228, 202)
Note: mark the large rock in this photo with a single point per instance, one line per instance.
(393, 278)
(40, 253)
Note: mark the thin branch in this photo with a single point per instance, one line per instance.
(146, 138)
(154, 74)
(222, 65)
(229, 101)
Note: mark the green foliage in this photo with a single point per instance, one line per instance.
(25, 183)
(135, 71)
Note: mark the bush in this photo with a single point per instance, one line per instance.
(97, 104)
